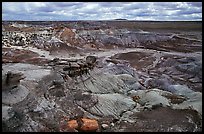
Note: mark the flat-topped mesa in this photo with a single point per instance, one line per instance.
(11, 80)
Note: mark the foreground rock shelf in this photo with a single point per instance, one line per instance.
(98, 96)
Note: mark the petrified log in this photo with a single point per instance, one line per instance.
(84, 124)
(11, 80)
(90, 59)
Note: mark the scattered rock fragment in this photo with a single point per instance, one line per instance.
(105, 126)
(84, 124)
(11, 80)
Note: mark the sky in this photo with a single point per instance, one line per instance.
(64, 11)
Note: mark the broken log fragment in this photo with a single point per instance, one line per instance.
(11, 80)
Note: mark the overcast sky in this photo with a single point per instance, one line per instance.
(159, 11)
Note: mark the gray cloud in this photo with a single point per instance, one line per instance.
(196, 4)
(102, 10)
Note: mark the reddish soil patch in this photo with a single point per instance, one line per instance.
(17, 55)
(21, 56)
(163, 120)
(63, 48)
(177, 44)
(137, 60)
(67, 33)
(37, 61)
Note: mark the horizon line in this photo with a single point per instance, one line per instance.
(103, 20)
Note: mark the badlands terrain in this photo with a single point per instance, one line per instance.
(104, 76)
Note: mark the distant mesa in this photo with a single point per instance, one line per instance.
(120, 19)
